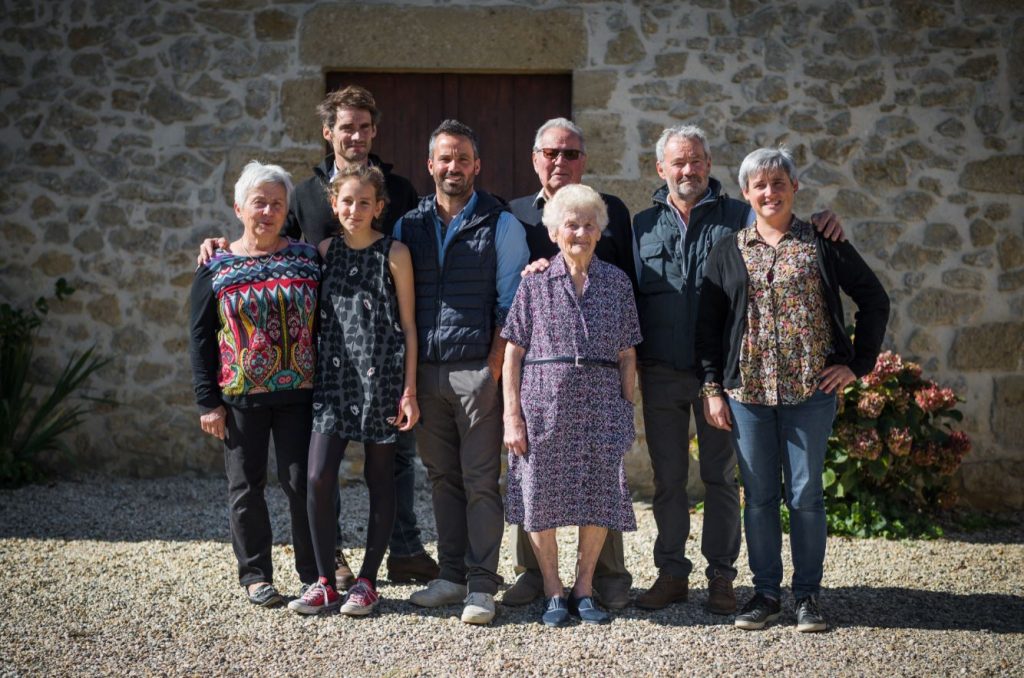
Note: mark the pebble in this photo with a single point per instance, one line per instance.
(137, 577)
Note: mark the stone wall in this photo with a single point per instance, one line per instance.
(123, 125)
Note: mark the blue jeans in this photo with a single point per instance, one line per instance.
(771, 443)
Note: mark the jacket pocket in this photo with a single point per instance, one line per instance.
(653, 265)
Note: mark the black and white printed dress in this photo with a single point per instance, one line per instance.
(361, 347)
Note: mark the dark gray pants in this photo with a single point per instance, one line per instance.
(459, 440)
(669, 397)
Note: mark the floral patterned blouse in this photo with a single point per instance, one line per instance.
(788, 334)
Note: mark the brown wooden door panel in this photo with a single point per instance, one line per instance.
(504, 110)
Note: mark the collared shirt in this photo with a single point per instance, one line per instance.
(788, 335)
(709, 196)
(509, 244)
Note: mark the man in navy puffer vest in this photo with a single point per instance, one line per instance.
(467, 253)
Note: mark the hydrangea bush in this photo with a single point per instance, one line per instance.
(892, 453)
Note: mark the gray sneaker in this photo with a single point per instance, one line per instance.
(479, 608)
(439, 592)
(808, 617)
(758, 611)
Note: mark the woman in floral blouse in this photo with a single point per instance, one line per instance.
(774, 354)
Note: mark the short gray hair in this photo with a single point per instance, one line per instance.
(767, 160)
(574, 198)
(255, 173)
(559, 123)
(686, 132)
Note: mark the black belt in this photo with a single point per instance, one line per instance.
(578, 361)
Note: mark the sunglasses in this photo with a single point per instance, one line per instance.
(567, 153)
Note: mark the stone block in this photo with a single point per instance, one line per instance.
(1009, 282)
(881, 174)
(922, 344)
(1010, 252)
(593, 88)
(992, 346)
(669, 64)
(382, 37)
(997, 211)
(49, 155)
(942, 235)
(993, 485)
(274, 24)
(851, 204)
(982, 68)
(167, 106)
(777, 58)
(772, 89)
(914, 258)
(1008, 409)
(299, 99)
(997, 174)
(957, 97)
(856, 43)
(863, 92)
(54, 264)
(934, 307)
(625, 48)
(952, 128)
(206, 86)
(912, 205)
(876, 236)
(959, 37)
(604, 141)
(105, 309)
(189, 54)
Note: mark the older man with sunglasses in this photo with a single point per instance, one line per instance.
(560, 159)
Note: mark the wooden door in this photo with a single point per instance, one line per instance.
(504, 110)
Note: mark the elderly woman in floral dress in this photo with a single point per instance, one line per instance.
(568, 377)
(773, 351)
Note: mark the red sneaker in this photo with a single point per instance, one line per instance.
(319, 597)
(361, 599)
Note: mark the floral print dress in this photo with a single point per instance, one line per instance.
(578, 425)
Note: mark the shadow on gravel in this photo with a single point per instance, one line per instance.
(896, 608)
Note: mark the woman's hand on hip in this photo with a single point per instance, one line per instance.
(515, 434)
(716, 413)
(835, 378)
(214, 422)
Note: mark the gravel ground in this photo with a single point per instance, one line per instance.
(136, 577)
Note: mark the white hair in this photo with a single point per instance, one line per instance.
(574, 198)
(767, 160)
(690, 132)
(255, 174)
(559, 123)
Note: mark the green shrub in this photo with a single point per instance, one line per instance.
(31, 426)
(892, 454)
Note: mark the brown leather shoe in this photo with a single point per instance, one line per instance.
(342, 572)
(612, 592)
(420, 567)
(721, 597)
(528, 587)
(665, 591)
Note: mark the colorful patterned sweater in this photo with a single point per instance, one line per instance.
(253, 327)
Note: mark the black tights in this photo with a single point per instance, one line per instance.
(325, 453)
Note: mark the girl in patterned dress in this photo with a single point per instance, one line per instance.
(365, 383)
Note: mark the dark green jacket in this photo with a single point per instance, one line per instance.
(670, 270)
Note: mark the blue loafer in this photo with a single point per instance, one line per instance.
(587, 611)
(556, 613)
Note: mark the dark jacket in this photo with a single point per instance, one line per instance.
(723, 310)
(310, 215)
(614, 247)
(455, 303)
(672, 270)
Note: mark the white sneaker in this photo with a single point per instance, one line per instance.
(479, 608)
(439, 592)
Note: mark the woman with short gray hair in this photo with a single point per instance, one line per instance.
(774, 353)
(568, 379)
(253, 356)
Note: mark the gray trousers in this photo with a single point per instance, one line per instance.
(669, 397)
(459, 440)
(611, 563)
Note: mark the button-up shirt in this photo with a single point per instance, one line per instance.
(788, 334)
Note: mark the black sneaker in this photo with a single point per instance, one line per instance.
(758, 611)
(808, 617)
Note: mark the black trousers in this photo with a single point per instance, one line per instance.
(246, 449)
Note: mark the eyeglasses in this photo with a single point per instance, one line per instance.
(567, 153)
